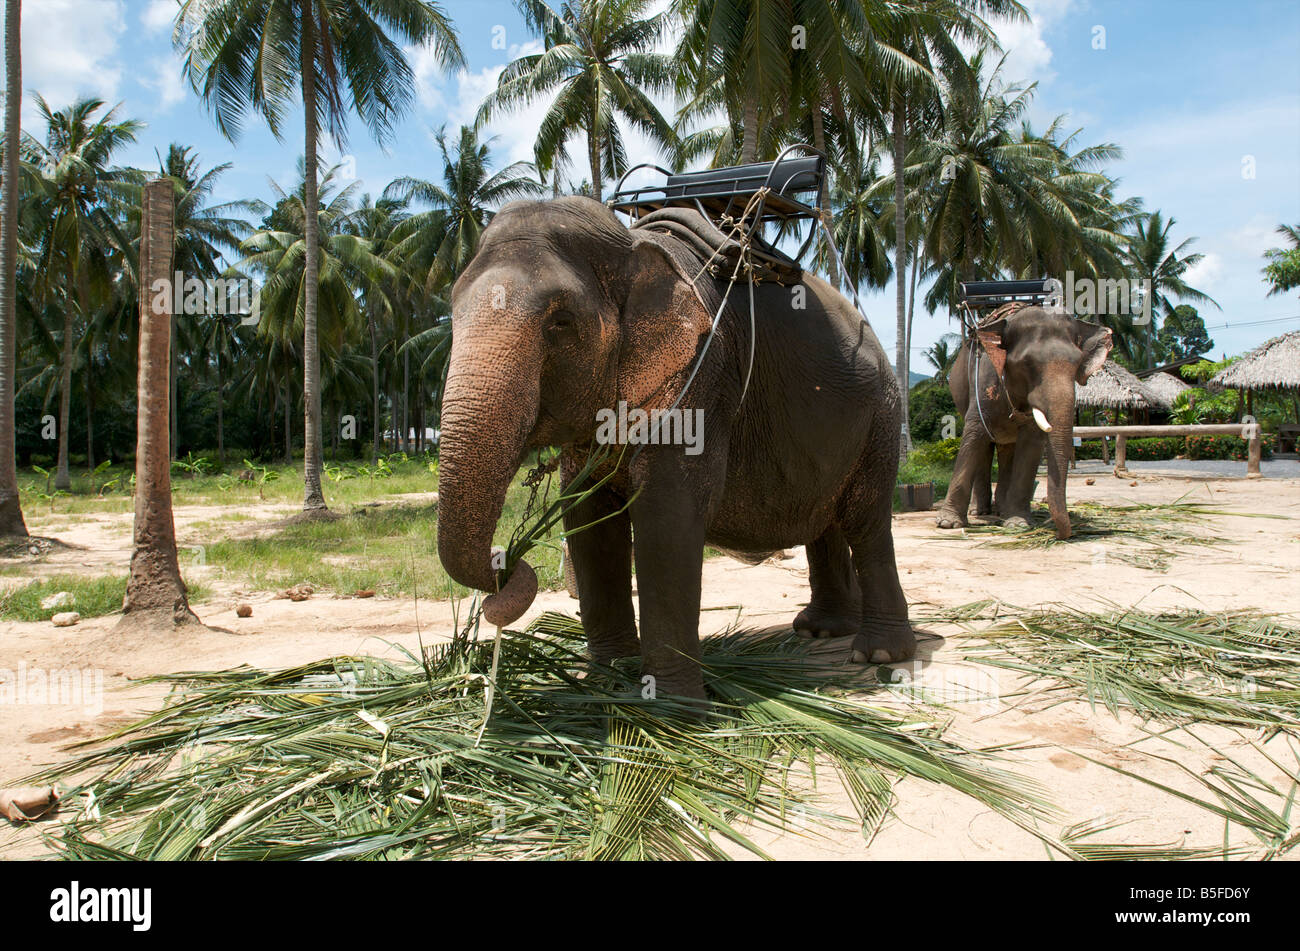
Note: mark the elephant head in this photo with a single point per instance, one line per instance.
(562, 312)
(1040, 354)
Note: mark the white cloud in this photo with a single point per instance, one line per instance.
(1029, 58)
(70, 48)
(159, 15)
(1206, 274)
(167, 81)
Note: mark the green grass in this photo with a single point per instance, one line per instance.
(345, 485)
(390, 548)
(93, 596)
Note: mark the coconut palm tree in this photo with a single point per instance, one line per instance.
(437, 243)
(1151, 258)
(1283, 268)
(11, 512)
(205, 234)
(598, 64)
(83, 198)
(278, 253)
(341, 55)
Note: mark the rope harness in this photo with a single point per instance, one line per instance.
(738, 235)
(992, 317)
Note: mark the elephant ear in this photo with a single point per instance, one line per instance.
(662, 323)
(1095, 342)
(990, 337)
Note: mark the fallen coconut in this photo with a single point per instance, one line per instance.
(26, 803)
(66, 619)
(244, 610)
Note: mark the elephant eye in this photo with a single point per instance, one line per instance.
(561, 328)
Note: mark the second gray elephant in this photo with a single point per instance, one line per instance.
(1014, 384)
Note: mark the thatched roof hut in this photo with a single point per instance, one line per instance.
(1113, 387)
(1165, 387)
(1275, 365)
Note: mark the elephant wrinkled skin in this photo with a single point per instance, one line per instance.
(565, 312)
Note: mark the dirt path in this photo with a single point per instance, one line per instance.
(1255, 567)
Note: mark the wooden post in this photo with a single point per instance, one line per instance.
(1254, 449)
(155, 593)
(1121, 456)
(1105, 451)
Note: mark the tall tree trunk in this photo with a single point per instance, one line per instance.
(61, 478)
(155, 593)
(749, 144)
(374, 388)
(90, 414)
(313, 496)
(11, 512)
(819, 143)
(288, 425)
(593, 155)
(173, 389)
(900, 266)
(406, 400)
(911, 301)
(221, 428)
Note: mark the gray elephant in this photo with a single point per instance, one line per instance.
(564, 315)
(1014, 382)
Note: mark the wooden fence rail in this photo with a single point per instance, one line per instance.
(1247, 431)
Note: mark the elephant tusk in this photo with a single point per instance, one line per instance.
(1041, 420)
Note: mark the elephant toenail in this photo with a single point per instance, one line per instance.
(880, 656)
(858, 657)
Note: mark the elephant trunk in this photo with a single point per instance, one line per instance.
(1059, 441)
(489, 409)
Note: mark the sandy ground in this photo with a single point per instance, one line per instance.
(1256, 567)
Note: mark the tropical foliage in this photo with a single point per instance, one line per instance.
(341, 347)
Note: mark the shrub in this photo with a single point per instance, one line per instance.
(929, 403)
(1157, 448)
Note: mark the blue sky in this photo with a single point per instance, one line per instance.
(1203, 96)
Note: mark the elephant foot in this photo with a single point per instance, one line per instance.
(606, 650)
(949, 518)
(680, 686)
(813, 621)
(887, 642)
(1019, 522)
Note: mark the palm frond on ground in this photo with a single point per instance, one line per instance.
(357, 757)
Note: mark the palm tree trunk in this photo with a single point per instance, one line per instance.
(173, 389)
(62, 480)
(313, 496)
(749, 145)
(221, 429)
(288, 425)
(900, 266)
(911, 302)
(155, 593)
(406, 400)
(593, 155)
(819, 143)
(374, 389)
(11, 512)
(90, 415)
